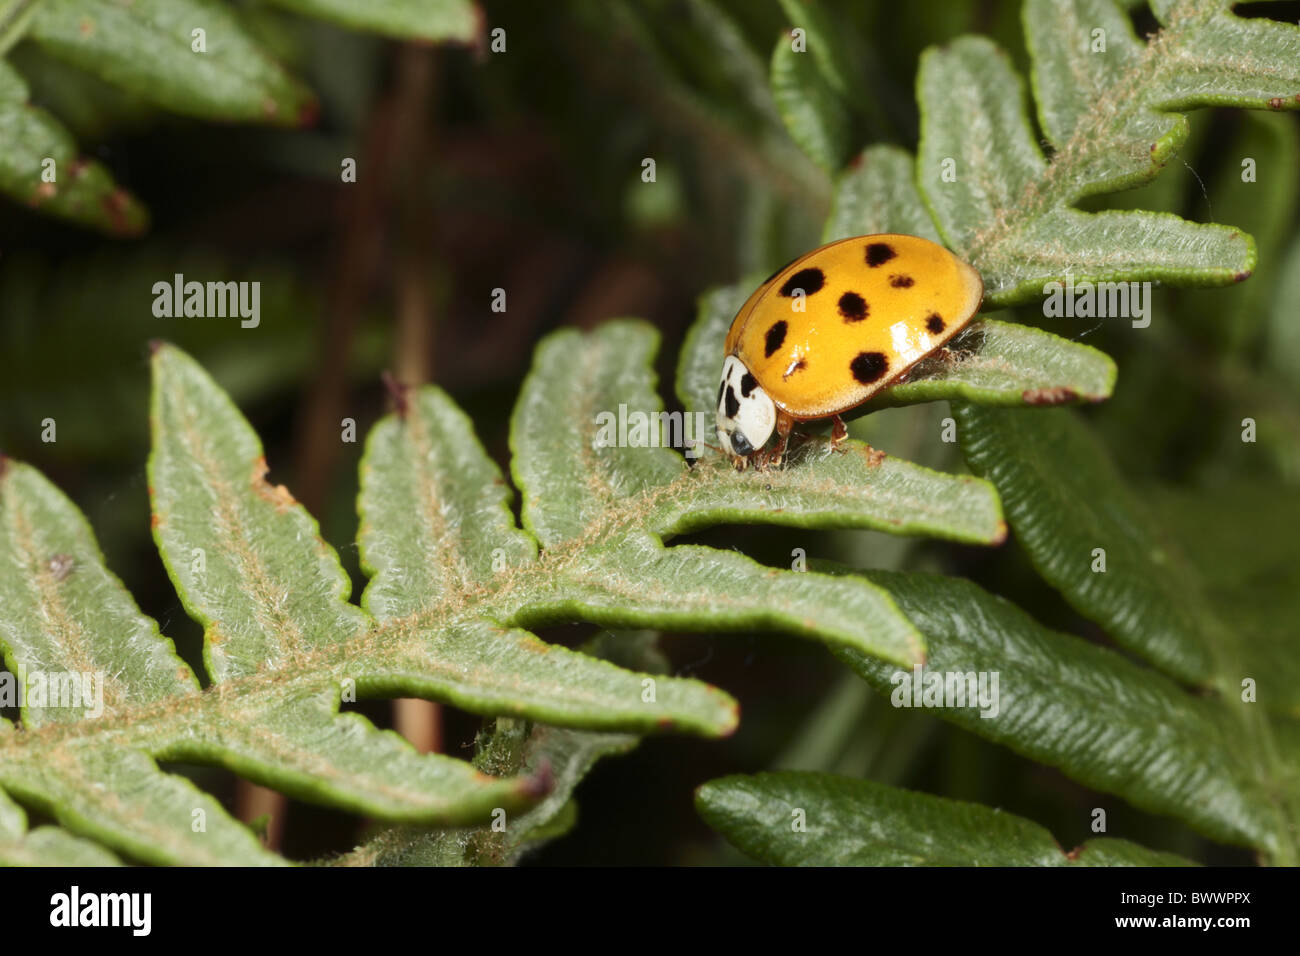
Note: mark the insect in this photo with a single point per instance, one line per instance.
(823, 334)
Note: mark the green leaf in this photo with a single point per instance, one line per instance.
(287, 642)
(83, 191)
(1102, 719)
(489, 669)
(568, 756)
(1108, 116)
(878, 194)
(247, 560)
(568, 476)
(91, 110)
(582, 492)
(724, 48)
(847, 62)
(15, 15)
(1251, 62)
(430, 20)
(69, 623)
(147, 47)
(448, 570)
(825, 45)
(855, 488)
(435, 509)
(1065, 499)
(301, 745)
(603, 507)
(66, 618)
(65, 612)
(118, 796)
(809, 107)
(639, 583)
(1064, 42)
(1002, 363)
(860, 823)
(565, 756)
(272, 595)
(740, 123)
(507, 747)
(44, 846)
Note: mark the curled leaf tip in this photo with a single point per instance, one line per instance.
(732, 721)
(123, 216)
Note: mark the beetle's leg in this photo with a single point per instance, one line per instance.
(776, 456)
(784, 425)
(771, 455)
(839, 432)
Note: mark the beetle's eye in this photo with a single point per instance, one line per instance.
(740, 444)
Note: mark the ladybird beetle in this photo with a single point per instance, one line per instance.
(823, 334)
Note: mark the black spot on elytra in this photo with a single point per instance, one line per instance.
(934, 323)
(810, 280)
(775, 336)
(878, 253)
(747, 385)
(901, 282)
(869, 367)
(733, 406)
(778, 272)
(798, 366)
(853, 307)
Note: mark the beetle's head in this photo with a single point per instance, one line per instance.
(746, 415)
